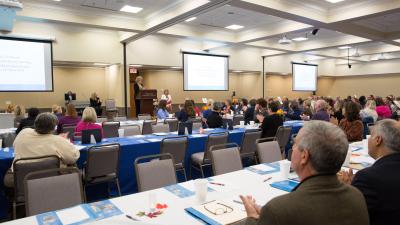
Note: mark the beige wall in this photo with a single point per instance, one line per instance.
(82, 81)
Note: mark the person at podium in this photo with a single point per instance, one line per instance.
(138, 87)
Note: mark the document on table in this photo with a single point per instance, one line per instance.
(264, 167)
(153, 139)
(73, 215)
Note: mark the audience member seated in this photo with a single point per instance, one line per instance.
(88, 122)
(29, 121)
(19, 112)
(338, 111)
(57, 111)
(261, 107)
(214, 120)
(249, 113)
(96, 103)
(271, 122)
(243, 105)
(382, 109)
(162, 112)
(42, 142)
(227, 109)
(319, 151)
(209, 106)
(320, 111)
(167, 97)
(307, 110)
(196, 109)
(352, 124)
(380, 183)
(186, 112)
(71, 117)
(369, 111)
(294, 112)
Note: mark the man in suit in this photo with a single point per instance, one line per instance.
(249, 113)
(380, 183)
(319, 151)
(214, 119)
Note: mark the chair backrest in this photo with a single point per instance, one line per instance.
(249, 142)
(283, 136)
(370, 126)
(131, 130)
(237, 119)
(225, 158)
(144, 117)
(176, 146)
(268, 150)
(22, 167)
(62, 190)
(366, 121)
(147, 127)
(172, 124)
(110, 104)
(70, 128)
(102, 160)
(120, 118)
(214, 139)
(289, 155)
(160, 127)
(110, 129)
(156, 173)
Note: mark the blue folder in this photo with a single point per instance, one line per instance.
(193, 212)
(285, 185)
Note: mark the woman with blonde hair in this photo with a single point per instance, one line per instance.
(138, 87)
(95, 103)
(71, 118)
(57, 111)
(167, 97)
(88, 122)
(19, 112)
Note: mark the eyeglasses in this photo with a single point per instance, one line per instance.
(223, 209)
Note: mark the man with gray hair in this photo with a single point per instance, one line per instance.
(380, 183)
(319, 151)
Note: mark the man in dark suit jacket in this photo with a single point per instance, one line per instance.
(380, 183)
(319, 151)
(214, 120)
(249, 113)
(270, 123)
(29, 121)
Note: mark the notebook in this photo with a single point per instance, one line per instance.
(217, 212)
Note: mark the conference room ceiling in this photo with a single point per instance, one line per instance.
(369, 27)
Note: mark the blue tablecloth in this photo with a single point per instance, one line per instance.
(132, 148)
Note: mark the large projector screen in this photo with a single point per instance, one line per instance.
(203, 72)
(304, 77)
(25, 65)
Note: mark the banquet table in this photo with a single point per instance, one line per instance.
(241, 182)
(132, 147)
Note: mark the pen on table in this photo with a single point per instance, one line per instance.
(269, 178)
(239, 202)
(130, 217)
(217, 183)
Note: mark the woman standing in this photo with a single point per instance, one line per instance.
(95, 103)
(138, 87)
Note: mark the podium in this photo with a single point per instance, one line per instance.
(146, 101)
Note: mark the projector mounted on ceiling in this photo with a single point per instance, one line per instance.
(8, 10)
(11, 4)
(284, 41)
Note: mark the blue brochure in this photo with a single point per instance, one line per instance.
(285, 185)
(179, 191)
(102, 209)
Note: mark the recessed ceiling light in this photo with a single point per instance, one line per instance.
(237, 71)
(300, 39)
(130, 9)
(234, 27)
(57, 0)
(191, 19)
(136, 65)
(334, 1)
(175, 67)
(344, 47)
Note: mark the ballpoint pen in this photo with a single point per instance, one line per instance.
(269, 178)
(217, 183)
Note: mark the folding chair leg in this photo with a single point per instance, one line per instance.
(118, 188)
(202, 172)
(14, 210)
(190, 170)
(184, 173)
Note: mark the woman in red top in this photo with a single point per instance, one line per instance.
(88, 122)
